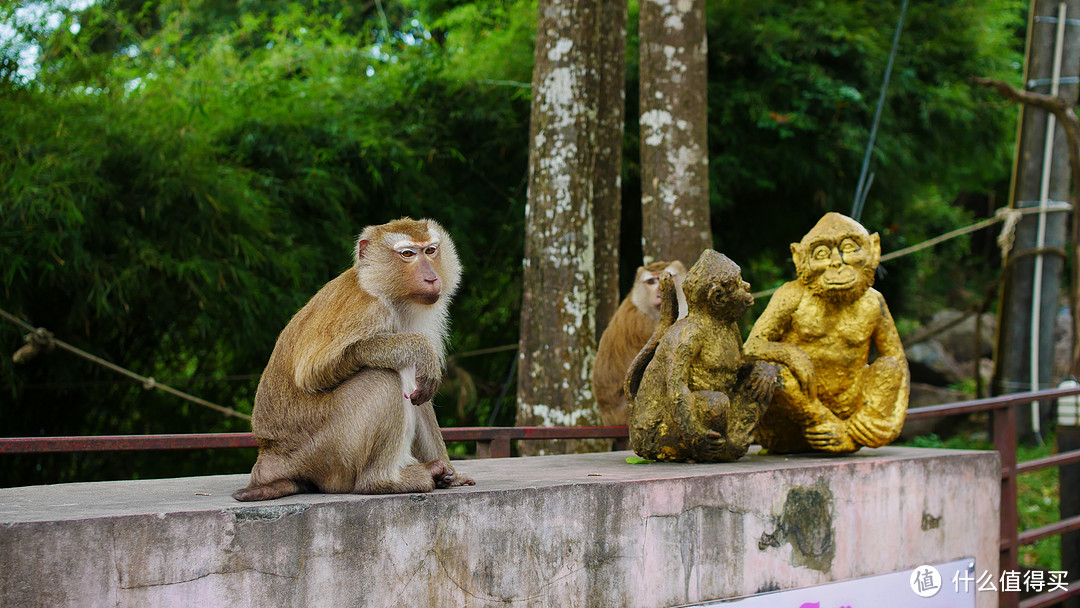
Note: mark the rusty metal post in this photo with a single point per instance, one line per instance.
(1004, 422)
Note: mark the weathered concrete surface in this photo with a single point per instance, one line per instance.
(576, 530)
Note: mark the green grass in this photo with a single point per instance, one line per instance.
(1037, 493)
(1037, 505)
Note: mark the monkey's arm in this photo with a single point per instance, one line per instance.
(685, 353)
(886, 337)
(765, 338)
(334, 364)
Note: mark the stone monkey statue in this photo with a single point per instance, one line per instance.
(344, 403)
(693, 396)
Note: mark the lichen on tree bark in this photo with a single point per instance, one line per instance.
(674, 152)
(558, 322)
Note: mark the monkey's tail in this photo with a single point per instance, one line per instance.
(669, 311)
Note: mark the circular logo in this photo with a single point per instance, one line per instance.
(925, 581)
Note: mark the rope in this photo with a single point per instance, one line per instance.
(1005, 239)
(146, 381)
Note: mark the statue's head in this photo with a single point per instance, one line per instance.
(714, 286)
(837, 258)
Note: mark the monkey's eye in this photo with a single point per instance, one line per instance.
(430, 250)
(849, 246)
(821, 252)
(407, 253)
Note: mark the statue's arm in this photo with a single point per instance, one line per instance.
(685, 354)
(886, 337)
(765, 338)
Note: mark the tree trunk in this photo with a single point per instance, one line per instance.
(607, 202)
(558, 323)
(674, 152)
(1063, 110)
(1032, 273)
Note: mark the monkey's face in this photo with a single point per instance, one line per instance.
(646, 292)
(838, 265)
(651, 283)
(418, 260)
(837, 259)
(731, 298)
(408, 261)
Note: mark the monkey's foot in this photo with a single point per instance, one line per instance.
(830, 436)
(274, 489)
(445, 476)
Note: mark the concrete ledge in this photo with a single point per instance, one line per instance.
(578, 530)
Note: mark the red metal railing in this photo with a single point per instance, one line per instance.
(491, 441)
(1003, 421)
(495, 442)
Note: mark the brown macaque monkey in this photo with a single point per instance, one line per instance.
(820, 329)
(344, 403)
(629, 330)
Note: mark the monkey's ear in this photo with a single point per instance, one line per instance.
(797, 256)
(875, 249)
(716, 295)
(361, 245)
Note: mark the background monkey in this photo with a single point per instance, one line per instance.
(629, 330)
(334, 409)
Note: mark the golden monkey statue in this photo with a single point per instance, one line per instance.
(820, 329)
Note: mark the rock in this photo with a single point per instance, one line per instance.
(931, 363)
(955, 330)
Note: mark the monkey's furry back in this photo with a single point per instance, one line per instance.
(306, 362)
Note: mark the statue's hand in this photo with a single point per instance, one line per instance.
(761, 382)
(802, 367)
(830, 436)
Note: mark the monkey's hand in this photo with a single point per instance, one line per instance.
(425, 389)
(760, 382)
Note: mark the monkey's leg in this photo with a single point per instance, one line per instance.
(709, 438)
(366, 447)
(429, 448)
(780, 429)
(751, 396)
(881, 418)
(413, 478)
(269, 481)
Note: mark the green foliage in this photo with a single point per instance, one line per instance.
(793, 87)
(1037, 504)
(179, 176)
(170, 207)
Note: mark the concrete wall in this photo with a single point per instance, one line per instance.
(560, 531)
